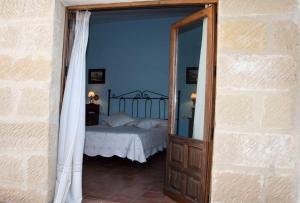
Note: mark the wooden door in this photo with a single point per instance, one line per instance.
(188, 166)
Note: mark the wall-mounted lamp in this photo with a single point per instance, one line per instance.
(193, 98)
(91, 95)
(94, 98)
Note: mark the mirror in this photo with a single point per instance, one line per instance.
(191, 76)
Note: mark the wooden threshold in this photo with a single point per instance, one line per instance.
(140, 4)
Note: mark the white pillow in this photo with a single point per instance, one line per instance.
(162, 123)
(118, 119)
(151, 123)
(132, 123)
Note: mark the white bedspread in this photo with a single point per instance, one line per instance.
(134, 143)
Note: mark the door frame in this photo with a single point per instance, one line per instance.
(147, 4)
(142, 4)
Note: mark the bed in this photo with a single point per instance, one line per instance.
(136, 130)
(125, 141)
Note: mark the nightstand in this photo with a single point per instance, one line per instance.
(92, 114)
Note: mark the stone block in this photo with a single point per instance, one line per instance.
(52, 160)
(251, 150)
(231, 187)
(7, 101)
(34, 102)
(283, 151)
(234, 110)
(53, 138)
(270, 72)
(278, 111)
(38, 69)
(38, 38)
(6, 63)
(18, 9)
(59, 11)
(9, 37)
(54, 105)
(255, 150)
(37, 172)
(24, 136)
(19, 195)
(255, 7)
(280, 189)
(58, 39)
(11, 169)
(50, 196)
(285, 37)
(28, 68)
(246, 36)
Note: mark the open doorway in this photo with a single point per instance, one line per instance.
(132, 48)
(134, 109)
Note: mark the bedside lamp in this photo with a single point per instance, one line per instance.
(91, 95)
(193, 97)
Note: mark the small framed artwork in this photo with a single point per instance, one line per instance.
(96, 76)
(191, 75)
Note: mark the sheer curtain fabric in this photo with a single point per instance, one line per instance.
(72, 119)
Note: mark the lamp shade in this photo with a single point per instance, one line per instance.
(91, 93)
(193, 96)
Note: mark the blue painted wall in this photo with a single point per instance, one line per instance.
(134, 53)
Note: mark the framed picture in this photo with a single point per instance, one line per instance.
(96, 76)
(191, 75)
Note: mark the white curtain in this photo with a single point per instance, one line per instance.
(200, 99)
(72, 120)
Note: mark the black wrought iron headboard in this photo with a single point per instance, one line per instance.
(149, 100)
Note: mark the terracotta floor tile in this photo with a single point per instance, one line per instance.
(147, 200)
(114, 179)
(153, 195)
(132, 192)
(167, 200)
(88, 200)
(122, 198)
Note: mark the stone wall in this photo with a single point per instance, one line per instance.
(31, 34)
(255, 139)
(297, 117)
(255, 144)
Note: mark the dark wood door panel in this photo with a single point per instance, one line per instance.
(177, 153)
(182, 184)
(195, 157)
(175, 180)
(194, 190)
(185, 168)
(186, 153)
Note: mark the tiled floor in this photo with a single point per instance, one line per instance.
(121, 180)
